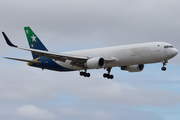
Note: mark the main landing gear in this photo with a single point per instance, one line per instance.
(107, 75)
(85, 74)
(164, 63)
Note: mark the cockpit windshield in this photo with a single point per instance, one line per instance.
(167, 46)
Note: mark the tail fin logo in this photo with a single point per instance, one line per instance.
(27, 31)
(33, 38)
(34, 41)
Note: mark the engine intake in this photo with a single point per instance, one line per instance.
(95, 63)
(133, 68)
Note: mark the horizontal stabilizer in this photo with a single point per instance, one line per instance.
(30, 61)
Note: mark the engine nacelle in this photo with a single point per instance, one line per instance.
(133, 68)
(95, 63)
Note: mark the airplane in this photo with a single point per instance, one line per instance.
(128, 57)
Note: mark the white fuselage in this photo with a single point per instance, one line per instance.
(125, 55)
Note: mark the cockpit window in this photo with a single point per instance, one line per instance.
(167, 46)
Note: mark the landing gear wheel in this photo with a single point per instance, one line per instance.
(111, 76)
(84, 74)
(164, 63)
(107, 75)
(81, 73)
(163, 68)
(88, 74)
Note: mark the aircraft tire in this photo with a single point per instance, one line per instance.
(88, 74)
(111, 76)
(85, 75)
(163, 68)
(108, 76)
(104, 75)
(81, 73)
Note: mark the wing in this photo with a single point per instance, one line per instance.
(75, 60)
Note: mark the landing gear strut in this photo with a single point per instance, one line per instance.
(164, 63)
(107, 75)
(85, 74)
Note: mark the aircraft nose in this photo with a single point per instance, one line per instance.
(174, 52)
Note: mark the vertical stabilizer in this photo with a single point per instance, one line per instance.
(34, 41)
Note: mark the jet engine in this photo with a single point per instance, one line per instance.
(133, 68)
(95, 63)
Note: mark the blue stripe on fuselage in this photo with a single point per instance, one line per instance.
(47, 63)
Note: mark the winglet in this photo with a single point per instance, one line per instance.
(8, 41)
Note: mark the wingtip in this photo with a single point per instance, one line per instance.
(3, 33)
(7, 40)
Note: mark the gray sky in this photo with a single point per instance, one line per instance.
(27, 93)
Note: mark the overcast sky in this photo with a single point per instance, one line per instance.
(28, 93)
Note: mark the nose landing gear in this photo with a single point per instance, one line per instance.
(164, 63)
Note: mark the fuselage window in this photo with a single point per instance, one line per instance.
(168, 46)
